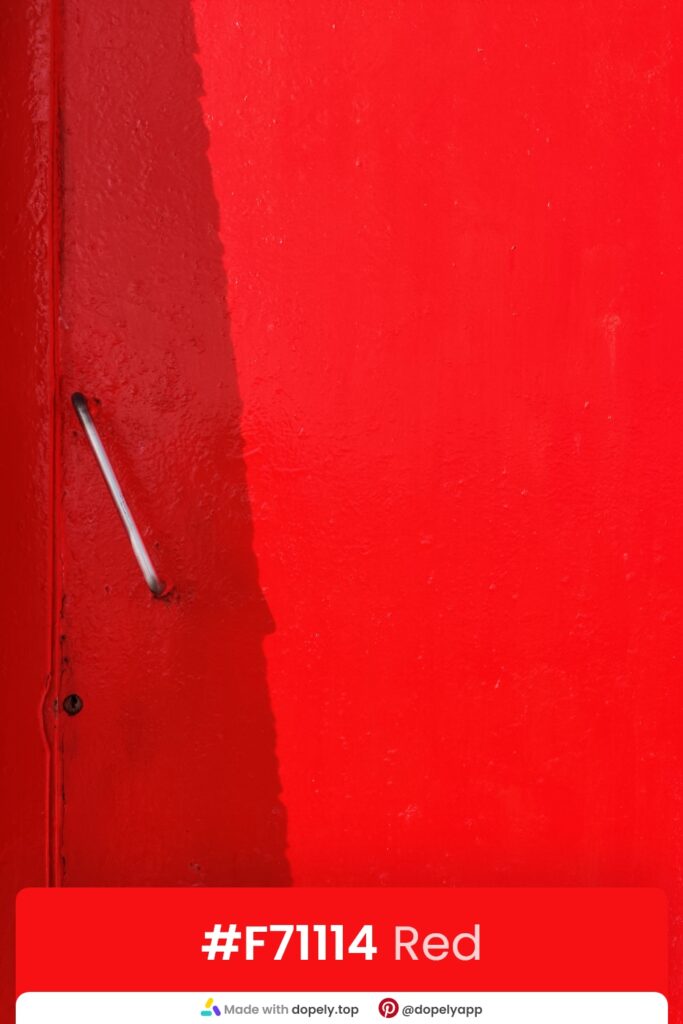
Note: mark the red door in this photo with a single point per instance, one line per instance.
(376, 307)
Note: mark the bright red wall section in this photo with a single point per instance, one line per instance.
(25, 457)
(452, 243)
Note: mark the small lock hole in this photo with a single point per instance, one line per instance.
(73, 704)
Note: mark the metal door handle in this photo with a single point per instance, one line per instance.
(156, 585)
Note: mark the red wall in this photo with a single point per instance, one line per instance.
(25, 456)
(378, 309)
(452, 244)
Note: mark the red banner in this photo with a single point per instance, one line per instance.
(512, 940)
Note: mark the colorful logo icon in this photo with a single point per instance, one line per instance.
(388, 1007)
(210, 1009)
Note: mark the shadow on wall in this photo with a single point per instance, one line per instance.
(186, 789)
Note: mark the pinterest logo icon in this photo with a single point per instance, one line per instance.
(388, 1007)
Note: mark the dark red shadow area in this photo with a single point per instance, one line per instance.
(168, 776)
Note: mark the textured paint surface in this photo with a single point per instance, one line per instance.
(169, 772)
(380, 304)
(452, 242)
(25, 425)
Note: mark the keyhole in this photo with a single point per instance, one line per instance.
(72, 704)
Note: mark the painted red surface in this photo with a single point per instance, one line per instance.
(378, 308)
(452, 242)
(25, 442)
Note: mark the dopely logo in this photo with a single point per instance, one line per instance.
(210, 1009)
